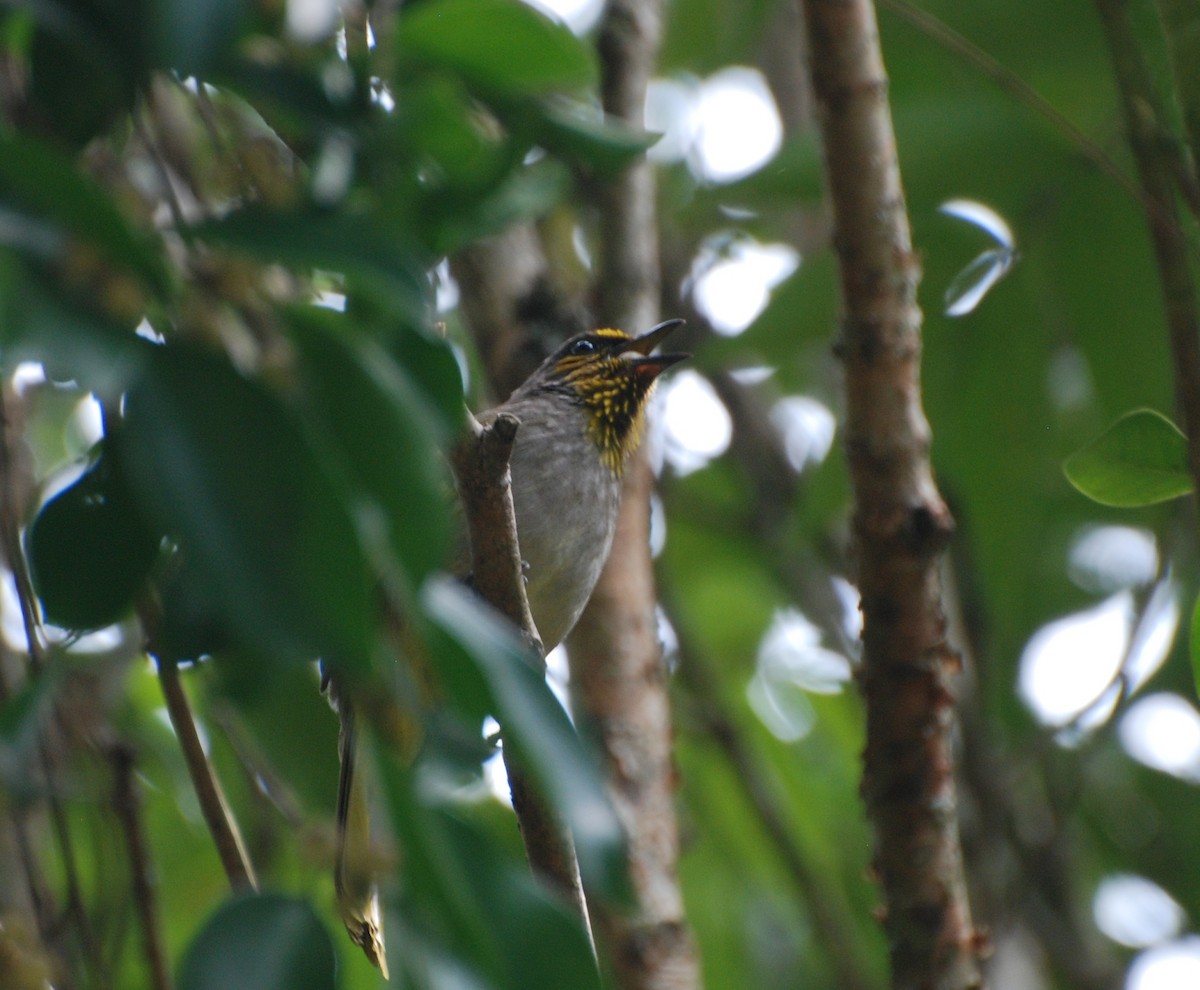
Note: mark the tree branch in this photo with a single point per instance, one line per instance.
(221, 824)
(901, 524)
(126, 805)
(485, 487)
(1144, 119)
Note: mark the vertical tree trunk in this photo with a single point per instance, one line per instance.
(901, 524)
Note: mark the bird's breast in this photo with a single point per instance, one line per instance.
(566, 503)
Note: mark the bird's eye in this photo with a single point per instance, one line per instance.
(582, 347)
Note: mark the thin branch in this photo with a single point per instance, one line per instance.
(485, 487)
(1143, 111)
(127, 807)
(11, 512)
(943, 34)
(220, 821)
(901, 524)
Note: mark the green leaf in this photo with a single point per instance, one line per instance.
(525, 195)
(465, 897)
(336, 241)
(43, 194)
(502, 47)
(90, 550)
(261, 942)
(220, 464)
(384, 434)
(537, 729)
(194, 36)
(87, 61)
(579, 132)
(1140, 460)
(73, 342)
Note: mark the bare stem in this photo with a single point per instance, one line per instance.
(221, 824)
(127, 807)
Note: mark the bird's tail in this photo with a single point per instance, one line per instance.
(354, 872)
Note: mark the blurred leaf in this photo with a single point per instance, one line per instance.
(433, 368)
(190, 624)
(219, 463)
(1141, 459)
(87, 61)
(291, 725)
(503, 47)
(261, 942)
(439, 130)
(333, 240)
(74, 343)
(581, 133)
(41, 190)
(194, 36)
(525, 195)
(543, 943)
(383, 432)
(537, 730)
(90, 550)
(467, 898)
(23, 718)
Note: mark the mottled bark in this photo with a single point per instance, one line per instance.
(901, 524)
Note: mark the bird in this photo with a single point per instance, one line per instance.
(581, 416)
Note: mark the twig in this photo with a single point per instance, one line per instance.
(221, 824)
(126, 806)
(901, 524)
(10, 534)
(939, 31)
(485, 487)
(1143, 112)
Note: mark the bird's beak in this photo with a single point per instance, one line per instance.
(637, 351)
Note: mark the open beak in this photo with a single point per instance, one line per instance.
(637, 351)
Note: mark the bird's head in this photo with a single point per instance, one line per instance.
(611, 375)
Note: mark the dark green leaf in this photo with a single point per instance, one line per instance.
(336, 241)
(72, 342)
(581, 133)
(90, 550)
(503, 47)
(384, 435)
(87, 61)
(526, 195)
(1141, 459)
(261, 942)
(219, 463)
(44, 196)
(194, 36)
(537, 730)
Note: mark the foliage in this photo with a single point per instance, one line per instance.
(270, 471)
